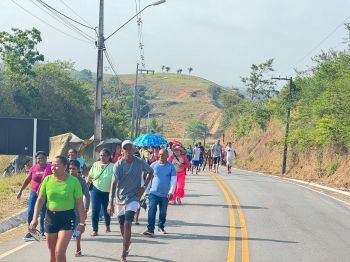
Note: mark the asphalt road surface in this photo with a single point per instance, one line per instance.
(239, 217)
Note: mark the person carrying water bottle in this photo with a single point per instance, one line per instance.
(74, 170)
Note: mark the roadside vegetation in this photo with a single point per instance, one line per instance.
(32, 87)
(9, 187)
(320, 112)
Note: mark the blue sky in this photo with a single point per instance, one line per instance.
(218, 39)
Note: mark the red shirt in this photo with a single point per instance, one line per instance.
(38, 173)
(116, 157)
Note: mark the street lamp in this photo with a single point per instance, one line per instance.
(99, 76)
(154, 4)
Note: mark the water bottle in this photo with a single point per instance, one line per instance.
(76, 233)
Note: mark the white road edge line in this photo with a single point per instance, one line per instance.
(297, 182)
(15, 249)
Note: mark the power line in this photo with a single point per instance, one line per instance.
(55, 10)
(57, 29)
(65, 21)
(110, 62)
(322, 41)
(75, 13)
(140, 35)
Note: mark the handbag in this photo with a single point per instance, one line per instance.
(90, 185)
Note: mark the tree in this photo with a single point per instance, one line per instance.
(163, 68)
(190, 69)
(179, 71)
(196, 129)
(154, 127)
(167, 69)
(18, 50)
(259, 86)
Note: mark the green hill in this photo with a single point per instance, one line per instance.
(177, 99)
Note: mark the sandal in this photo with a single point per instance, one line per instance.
(108, 229)
(93, 233)
(78, 253)
(123, 259)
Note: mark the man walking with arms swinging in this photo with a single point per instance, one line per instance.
(126, 187)
(160, 192)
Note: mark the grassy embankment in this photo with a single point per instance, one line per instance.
(9, 187)
(262, 151)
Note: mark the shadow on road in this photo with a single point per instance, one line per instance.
(197, 195)
(224, 206)
(266, 239)
(149, 258)
(99, 258)
(180, 223)
(137, 238)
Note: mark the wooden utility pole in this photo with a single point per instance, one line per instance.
(286, 133)
(99, 82)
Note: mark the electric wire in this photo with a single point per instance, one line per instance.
(111, 64)
(58, 19)
(140, 35)
(65, 21)
(53, 27)
(72, 10)
(55, 10)
(322, 41)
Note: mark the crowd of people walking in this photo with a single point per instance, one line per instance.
(116, 184)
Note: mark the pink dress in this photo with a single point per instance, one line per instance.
(180, 174)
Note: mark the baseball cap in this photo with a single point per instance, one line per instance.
(127, 142)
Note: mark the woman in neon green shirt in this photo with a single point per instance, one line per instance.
(62, 193)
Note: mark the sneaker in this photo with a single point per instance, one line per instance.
(162, 230)
(28, 237)
(43, 237)
(149, 234)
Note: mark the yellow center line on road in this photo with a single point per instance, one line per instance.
(244, 232)
(232, 243)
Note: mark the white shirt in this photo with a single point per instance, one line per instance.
(196, 153)
(230, 152)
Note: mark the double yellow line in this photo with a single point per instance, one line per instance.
(227, 191)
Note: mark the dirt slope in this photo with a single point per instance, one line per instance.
(262, 151)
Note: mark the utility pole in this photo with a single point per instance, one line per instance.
(135, 114)
(133, 111)
(99, 82)
(285, 147)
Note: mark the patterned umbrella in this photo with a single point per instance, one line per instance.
(150, 140)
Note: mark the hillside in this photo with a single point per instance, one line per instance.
(177, 99)
(262, 151)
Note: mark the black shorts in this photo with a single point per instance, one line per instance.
(128, 217)
(56, 221)
(216, 160)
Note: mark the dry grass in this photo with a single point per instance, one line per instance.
(9, 186)
(181, 98)
(262, 151)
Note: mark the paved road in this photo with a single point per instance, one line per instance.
(284, 222)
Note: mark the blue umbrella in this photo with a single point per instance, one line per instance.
(150, 140)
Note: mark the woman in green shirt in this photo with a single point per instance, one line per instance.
(100, 175)
(62, 192)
